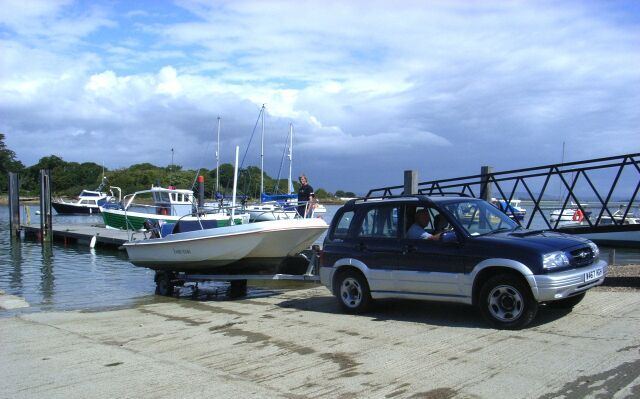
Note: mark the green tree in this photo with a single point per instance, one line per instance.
(8, 163)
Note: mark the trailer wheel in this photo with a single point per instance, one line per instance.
(237, 289)
(164, 283)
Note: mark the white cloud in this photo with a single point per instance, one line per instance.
(377, 86)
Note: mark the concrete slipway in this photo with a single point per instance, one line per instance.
(298, 344)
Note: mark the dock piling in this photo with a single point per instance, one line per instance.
(612, 256)
(45, 204)
(485, 183)
(410, 182)
(14, 204)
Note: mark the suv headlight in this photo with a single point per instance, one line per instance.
(554, 260)
(595, 250)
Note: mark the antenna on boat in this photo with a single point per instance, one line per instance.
(235, 186)
(262, 156)
(218, 161)
(290, 183)
(171, 167)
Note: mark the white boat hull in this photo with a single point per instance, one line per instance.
(254, 247)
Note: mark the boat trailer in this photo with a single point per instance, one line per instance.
(166, 281)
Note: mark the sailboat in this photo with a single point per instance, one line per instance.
(259, 247)
(279, 206)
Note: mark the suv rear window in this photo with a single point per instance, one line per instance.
(342, 227)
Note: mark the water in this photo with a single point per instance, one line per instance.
(53, 276)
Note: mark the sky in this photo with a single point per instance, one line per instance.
(372, 88)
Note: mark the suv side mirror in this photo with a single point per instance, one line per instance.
(449, 237)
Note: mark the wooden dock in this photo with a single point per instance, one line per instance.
(81, 234)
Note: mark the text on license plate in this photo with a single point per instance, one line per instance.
(593, 275)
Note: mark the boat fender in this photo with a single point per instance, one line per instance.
(164, 211)
(92, 244)
(578, 216)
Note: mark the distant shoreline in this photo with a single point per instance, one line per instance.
(4, 200)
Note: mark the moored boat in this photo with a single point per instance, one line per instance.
(169, 206)
(88, 201)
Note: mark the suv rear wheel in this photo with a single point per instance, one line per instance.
(353, 292)
(506, 302)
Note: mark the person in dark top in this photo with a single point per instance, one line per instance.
(305, 197)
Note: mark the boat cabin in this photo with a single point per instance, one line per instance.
(172, 202)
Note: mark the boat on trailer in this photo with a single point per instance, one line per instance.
(259, 248)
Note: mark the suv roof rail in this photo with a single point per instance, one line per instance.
(420, 193)
(379, 197)
(443, 193)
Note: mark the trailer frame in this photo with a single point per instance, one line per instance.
(166, 281)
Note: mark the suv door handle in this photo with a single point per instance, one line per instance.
(408, 248)
(360, 246)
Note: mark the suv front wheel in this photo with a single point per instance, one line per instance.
(506, 302)
(353, 292)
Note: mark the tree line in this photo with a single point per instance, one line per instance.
(69, 178)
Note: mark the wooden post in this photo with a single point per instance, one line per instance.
(14, 204)
(200, 192)
(410, 182)
(485, 184)
(45, 204)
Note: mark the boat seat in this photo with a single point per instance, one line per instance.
(166, 229)
(191, 225)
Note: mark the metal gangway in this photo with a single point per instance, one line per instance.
(604, 190)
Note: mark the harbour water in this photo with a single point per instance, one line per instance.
(53, 276)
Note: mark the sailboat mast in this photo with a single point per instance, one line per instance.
(218, 161)
(262, 157)
(235, 186)
(290, 184)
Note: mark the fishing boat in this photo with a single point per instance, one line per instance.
(88, 202)
(169, 206)
(258, 247)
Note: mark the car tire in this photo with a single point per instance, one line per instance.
(353, 292)
(506, 302)
(567, 303)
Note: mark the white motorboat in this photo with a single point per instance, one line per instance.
(245, 248)
(618, 217)
(568, 217)
(88, 202)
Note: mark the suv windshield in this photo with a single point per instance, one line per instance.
(480, 217)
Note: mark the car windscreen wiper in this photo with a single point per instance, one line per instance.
(499, 230)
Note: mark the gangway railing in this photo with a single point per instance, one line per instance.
(581, 183)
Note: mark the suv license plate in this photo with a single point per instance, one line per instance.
(592, 275)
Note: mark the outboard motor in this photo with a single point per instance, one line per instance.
(153, 227)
